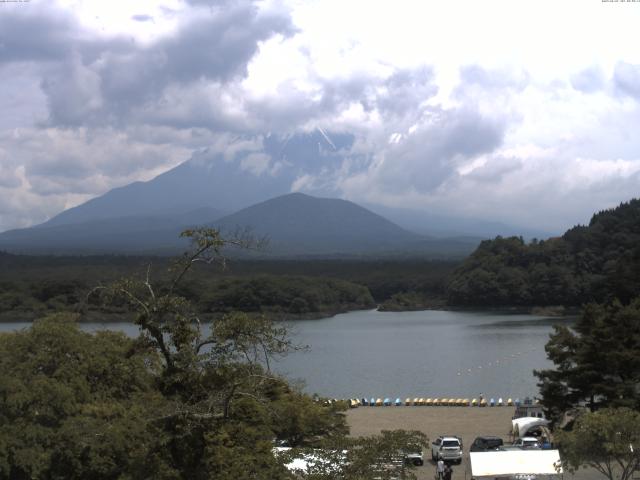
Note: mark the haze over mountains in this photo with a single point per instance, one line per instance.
(248, 186)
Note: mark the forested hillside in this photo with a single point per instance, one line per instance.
(588, 263)
(33, 286)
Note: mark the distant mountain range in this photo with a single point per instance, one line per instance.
(249, 185)
(295, 224)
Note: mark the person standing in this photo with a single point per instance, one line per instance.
(448, 471)
(440, 470)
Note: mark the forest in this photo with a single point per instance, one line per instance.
(31, 286)
(597, 262)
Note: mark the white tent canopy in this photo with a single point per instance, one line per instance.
(515, 462)
(521, 426)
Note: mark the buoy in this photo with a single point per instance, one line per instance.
(474, 402)
(500, 402)
(398, 402)
(429, 402)
(387, 402)
(509, 402)
(407, 401)
(492, 403)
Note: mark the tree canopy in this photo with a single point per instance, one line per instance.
(173, 403)
(597, 361)
(607, 440)
(598, 262)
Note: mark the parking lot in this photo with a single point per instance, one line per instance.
(465, 422)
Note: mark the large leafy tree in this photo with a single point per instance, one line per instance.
(178, 402)
(222, 399)
(607, 440)
(597, 361)
(75, 405)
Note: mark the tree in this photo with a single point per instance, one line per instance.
(596, 362)
(174, 403)
(221, 388)
(607, 440)
(376, 456)
(75, 405)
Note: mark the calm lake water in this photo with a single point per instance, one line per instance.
(410, 354)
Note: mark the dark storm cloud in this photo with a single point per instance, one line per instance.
(126, 80)
(626, 79)
(46, 36)
(219, 46)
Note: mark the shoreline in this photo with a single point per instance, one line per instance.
(107, 318)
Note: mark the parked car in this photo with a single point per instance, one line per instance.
(527, 442)
(486, 444)
(447, 448)
(416, 458)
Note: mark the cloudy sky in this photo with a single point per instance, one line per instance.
(526, 112)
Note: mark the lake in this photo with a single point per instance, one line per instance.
(420, 354)
(411, 354)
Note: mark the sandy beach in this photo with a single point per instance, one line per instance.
(464, 422)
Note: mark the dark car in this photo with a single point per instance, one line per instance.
(486, 444)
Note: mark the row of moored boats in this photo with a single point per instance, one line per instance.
(448, 402)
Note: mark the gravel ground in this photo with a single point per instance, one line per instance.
(464, 422)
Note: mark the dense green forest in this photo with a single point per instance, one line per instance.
(31, 286)
(174, 403)
(597, 262)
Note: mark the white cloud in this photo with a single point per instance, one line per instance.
(496, 109)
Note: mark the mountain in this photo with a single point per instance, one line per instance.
(245, 173)
(255, 169)
(128, 234)
(299, 224)
(145, 217)
(296, 225)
